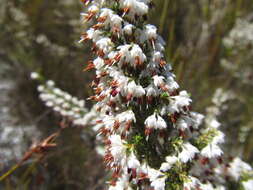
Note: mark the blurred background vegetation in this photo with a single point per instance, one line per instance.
(42, 35)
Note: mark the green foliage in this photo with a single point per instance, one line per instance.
(205, 138)
(165, 95)
(176, 177)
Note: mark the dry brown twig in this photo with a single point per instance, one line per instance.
(39, 149)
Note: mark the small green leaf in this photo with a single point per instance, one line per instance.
(165, 95)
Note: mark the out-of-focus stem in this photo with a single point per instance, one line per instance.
(9, 172)
(164, 15)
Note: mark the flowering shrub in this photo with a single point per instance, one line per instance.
(61, 102)
(239, 45)
(237, 63)
(72, 110)
(152, 138)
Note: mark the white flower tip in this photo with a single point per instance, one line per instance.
(34, 75)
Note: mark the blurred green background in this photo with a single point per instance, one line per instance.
(42, 35)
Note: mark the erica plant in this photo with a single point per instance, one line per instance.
(153, 140)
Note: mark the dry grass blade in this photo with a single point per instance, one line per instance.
(39, 149)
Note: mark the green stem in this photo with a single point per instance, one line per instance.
(163, 16)
(9, 172)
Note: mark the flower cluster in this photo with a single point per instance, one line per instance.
(239, 46)
(220, 97)
(240, 37)
(237, 61)
(211, 164)
(63, 103)
(152, 138)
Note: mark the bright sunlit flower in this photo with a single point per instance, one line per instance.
(145, 119)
